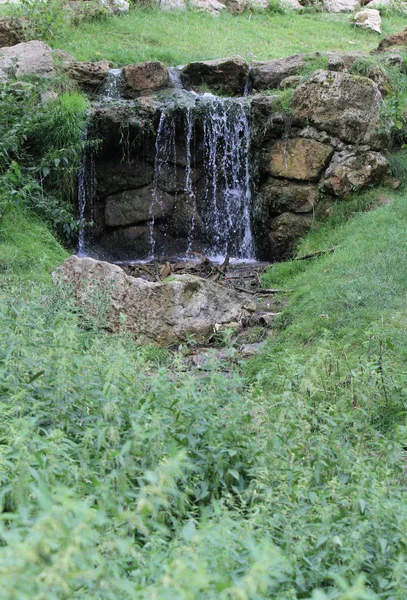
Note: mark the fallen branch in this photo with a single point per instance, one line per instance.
(315, 254)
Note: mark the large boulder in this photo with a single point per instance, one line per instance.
(137, 206)
(351, 171)
(28, 58)
(269, 74)
(145, 77)
(226, 75)
(11, 32)
(298, 158)
(164, 313)
(88, 75)
(344, 105)
(172, 4)
(368, 19)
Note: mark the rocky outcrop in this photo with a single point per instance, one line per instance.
(299, 158)
(279, 196)
(146, 77)
(343, 105)
(164, 313)
(368, 19)
(11, 32)
(213, 7)
(225, 75)
(28, 58)
(352, 171)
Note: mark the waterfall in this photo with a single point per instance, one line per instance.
(112, 84)
(227, 171)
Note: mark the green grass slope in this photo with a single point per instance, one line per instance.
(125, 476)
(180, 37)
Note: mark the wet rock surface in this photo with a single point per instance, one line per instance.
(147, 77)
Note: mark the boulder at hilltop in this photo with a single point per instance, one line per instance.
(344, 105)
(164, 313)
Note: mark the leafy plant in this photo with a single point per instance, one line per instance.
(44, 18)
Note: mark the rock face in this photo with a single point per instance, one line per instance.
(343, 105)
(368, 19)
(299, 158)
(269, 74)
(146, 77)
(279, 196)
(164, 313)
(11, 32)
(351, 171)
(29, 58)
(228, 75)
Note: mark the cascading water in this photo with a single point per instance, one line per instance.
(210, 209)
(112, 85)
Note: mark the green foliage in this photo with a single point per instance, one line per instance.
(283, 101)
(276, 7)
(398, 165)
(44, 19)
(41, 145)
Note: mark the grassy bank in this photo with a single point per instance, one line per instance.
(180, 37)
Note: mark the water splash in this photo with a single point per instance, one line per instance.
(189, 190)
(82, 199)
(112, 86)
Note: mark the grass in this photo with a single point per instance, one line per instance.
(180, 37)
